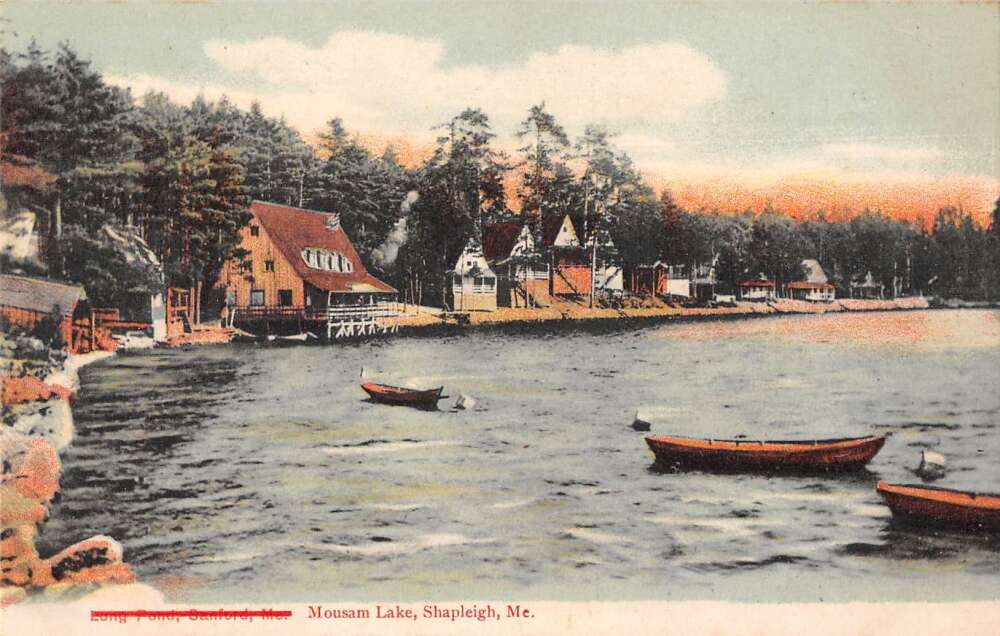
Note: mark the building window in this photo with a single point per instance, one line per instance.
(254, 230)
(483, 284)
(320, 258)
(256, 297)
(268, 266)
(456, 280)
(285, 297)
(246, 266)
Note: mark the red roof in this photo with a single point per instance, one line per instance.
(805, 284)
(294, 229)
(757, 283)
(499, 240)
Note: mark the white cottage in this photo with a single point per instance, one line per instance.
(509, 249)
(815, 287)
(608, 275)
(474, 284)
(757, 290)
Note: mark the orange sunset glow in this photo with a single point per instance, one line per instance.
(914, 198)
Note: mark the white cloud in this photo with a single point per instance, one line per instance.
(396, 84)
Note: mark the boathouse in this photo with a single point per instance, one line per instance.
(522, 279)
(299, 269)
(474, 283)
(25, 302)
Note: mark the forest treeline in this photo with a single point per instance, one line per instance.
(86, 156)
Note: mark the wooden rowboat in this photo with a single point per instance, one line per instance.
(400, 396)
(828, 455)
(930, 505)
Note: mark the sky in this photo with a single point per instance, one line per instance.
(799, 105)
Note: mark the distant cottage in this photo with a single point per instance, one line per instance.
(570, 263)
(509, 267)
(659, 279)
(299, 264)
(811, 291)
(868, 288)
(523, 281)
(474, 284)
(757, 290)
(608, 275)
(815, 287)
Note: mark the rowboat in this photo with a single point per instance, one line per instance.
(827, 455)
(931, 505)
(400, 396)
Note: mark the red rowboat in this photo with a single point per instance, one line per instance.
(400, 396)
(942, 506)
(849, 453)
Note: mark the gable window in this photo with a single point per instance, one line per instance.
(328, 260)
(285, 297)
(256, 297)
(268, 266)
(254, 230)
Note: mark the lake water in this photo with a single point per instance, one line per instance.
(248, 473)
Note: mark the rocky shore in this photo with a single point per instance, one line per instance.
(39, 384)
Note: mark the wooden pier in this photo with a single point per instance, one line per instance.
(363, 320)
(340, 321)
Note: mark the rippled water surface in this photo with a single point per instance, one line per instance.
(243, 473)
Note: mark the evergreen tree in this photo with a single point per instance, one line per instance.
(545, 147)
(59, 112)
(459, 186)
(195, 202)
(366, 191)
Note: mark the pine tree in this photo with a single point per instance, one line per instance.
(460, 186)
(545, 151)
(61, 114)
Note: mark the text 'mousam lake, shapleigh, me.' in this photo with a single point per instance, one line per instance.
(241, 473)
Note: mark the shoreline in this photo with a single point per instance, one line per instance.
(38, 393)
(433, 322)
(569, 314)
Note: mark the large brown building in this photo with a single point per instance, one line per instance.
(299, 262)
